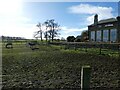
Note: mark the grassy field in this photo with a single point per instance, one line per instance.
(53, 67)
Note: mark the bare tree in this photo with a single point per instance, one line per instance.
(39, 25)
(46, 23)
(53, 28)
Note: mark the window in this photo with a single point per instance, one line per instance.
(92, 35)
(98, 36)
(99, 26)
(107, 25)
(113, 35)
(105, 35)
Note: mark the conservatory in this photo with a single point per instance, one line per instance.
(107, 30)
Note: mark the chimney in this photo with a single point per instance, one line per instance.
(96, 19)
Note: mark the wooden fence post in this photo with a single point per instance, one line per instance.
(100, 48)
(85, 77)
(118, 51)
(75, 47)
(85, 47)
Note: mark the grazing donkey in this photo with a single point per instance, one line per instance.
(32, 45)
(9, 45)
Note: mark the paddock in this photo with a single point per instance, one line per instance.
(55, 67)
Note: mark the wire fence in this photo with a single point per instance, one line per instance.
(88, 46)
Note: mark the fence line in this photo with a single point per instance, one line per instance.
(87, 45)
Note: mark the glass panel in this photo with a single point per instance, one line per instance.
(113, 35)
(98, 36)
(92, 35)
(105, 35)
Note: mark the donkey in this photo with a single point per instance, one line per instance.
(9, 45)
(32, 45)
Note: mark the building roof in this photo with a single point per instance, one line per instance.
(106, 21)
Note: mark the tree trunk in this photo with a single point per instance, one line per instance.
(46, 37)
(52, 35)
(41, 36)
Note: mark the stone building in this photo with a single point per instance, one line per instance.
(107, 30)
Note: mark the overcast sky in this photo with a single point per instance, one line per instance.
(19, 18)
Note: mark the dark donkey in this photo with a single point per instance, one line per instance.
(32, 45)
(9, 45)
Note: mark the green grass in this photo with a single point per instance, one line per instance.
(106, 52)
(53, 67)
